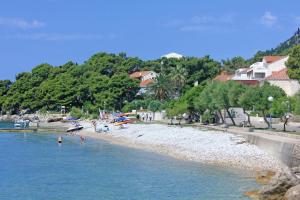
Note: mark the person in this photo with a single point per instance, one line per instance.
(147, 117)
(59, 140)
(150, 117)
(82, 139)
(143, 116)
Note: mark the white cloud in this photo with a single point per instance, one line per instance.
(20, 23)
(56, 36)
(201, 23)
(268, 19)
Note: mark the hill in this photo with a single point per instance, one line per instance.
(282, 49)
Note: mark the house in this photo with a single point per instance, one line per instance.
(271, 69)
(146, 79)
(144, 75)
(282, 80)
(172, 55)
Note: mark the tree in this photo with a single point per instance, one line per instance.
(162, 88)
(281, 108)
(262, 104)
(293, 63)
(178, 75)
(231, 65)
(248, 99)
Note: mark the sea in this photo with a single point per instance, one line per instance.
(33, 166)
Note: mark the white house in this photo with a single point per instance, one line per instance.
(146, 78)
(282, 80)
(172, 55)
(271, 69)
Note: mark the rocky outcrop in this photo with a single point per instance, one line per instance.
(279, 185)
(293, 193)
(9, 118)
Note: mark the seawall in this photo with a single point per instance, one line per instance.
(283, 146)
(287, 151)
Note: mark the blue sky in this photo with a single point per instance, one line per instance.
(57, 31)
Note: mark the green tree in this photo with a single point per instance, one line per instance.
(162, 88)
(248, 99)
(293, 63)
(178, 75)
(281, 107)
(262, 104)
(231, 65)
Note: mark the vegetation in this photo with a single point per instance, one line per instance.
(102, 82)
(293, 63)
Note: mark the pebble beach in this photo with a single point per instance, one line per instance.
(193, 144)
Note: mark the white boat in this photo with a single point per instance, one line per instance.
(21, 123)
(75, 128)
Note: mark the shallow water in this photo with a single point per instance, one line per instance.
(35, 167)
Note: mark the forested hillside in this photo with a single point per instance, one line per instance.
(283, 48)
(102, 82)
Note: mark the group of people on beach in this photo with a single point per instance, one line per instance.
(145, 117)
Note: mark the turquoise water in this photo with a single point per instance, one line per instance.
(35, 167)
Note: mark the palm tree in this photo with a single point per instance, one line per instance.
(178, 76)
(161, 87)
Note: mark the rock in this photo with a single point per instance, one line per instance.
(296, 171)
(264, 177)
(293, 193)
(279, 185)
(58, 119)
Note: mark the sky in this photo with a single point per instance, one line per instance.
(57, 31)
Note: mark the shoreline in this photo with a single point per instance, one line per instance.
(197, 144)
(235, 154)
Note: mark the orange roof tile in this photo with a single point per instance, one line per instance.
(271, 59)
(223, 77)
(145, 83)
(139, 74)
(279, 75)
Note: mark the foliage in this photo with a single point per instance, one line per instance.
(154, 105)
(293, 63)
(231, 65)
(76, 112)
(178, 75)
(102, 82)
(161, 88)
(185, 104)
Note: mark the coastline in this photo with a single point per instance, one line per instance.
(203, 146)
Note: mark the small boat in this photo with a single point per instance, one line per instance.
(21, 123)
(76, 128)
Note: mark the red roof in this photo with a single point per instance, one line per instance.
(248, 82)
(223, 77)
(145, 83)
(279, 75)
(271, 59)
(139, 74)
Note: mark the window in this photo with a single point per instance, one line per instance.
(259, 75)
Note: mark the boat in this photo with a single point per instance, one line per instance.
(21, 123)
(76, 128)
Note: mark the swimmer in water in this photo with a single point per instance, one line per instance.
(82, 139)
(59, 140)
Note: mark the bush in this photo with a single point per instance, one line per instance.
(76, 112)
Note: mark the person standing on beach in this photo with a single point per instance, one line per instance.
(143, 116)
